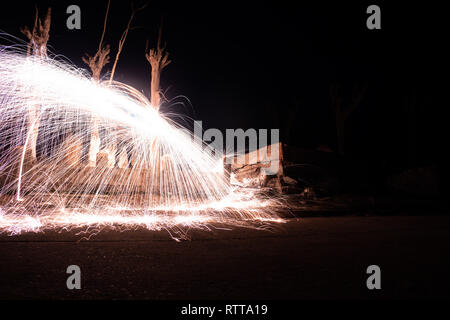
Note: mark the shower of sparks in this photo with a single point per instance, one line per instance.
(171, 182)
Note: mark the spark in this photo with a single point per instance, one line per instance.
(171, 182)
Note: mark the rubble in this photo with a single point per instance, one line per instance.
(257, 169)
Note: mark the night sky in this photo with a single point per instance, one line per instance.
(271, 65)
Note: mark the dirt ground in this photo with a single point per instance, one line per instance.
(305, 258)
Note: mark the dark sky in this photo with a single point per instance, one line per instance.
(270, 65)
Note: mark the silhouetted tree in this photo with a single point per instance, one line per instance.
(410, 110)
(96, 64)
(342, 111)
(37, 46)
(158, 60)
(124, 37)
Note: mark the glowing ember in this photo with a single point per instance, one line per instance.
(165, 180)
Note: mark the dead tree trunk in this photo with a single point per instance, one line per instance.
(96, 64)
(411, 116)
(158, 60)
(341, 113)
(123, 38)
(37, 46)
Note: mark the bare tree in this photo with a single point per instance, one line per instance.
(98, 61)
(342, 112)
(96, 64)
(38, 37)
(101, 57)
(124, 37)
(410, 109)
(158, 60)
(37, 46)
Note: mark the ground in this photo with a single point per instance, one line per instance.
(310, 258)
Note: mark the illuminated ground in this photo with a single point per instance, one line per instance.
(309, 258)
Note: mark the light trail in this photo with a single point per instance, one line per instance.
(172, 181)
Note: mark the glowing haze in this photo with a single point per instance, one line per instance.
(171, 181)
